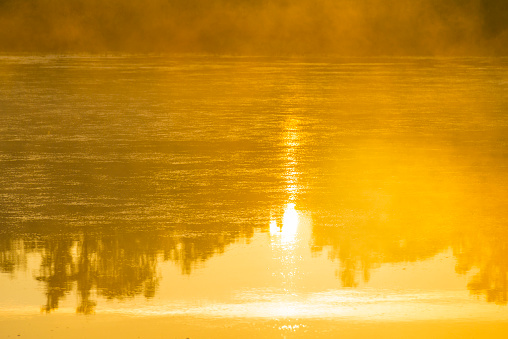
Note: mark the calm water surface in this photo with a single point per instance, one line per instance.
(189, 197)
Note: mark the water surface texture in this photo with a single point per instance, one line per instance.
(201, 197)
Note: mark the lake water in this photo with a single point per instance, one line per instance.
(203, 197)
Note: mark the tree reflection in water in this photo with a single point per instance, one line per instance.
(125, 264)
(360, 249)
(107, 264)
(488, 253)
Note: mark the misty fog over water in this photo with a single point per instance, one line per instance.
(257, 27)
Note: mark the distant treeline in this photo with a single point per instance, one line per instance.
(345, 27)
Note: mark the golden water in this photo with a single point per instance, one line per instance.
(253, 197)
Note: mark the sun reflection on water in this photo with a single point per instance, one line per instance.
(290, 222)
(287, 246)
(288, 230)
(291, 140)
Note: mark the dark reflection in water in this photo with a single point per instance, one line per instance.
(487, 251)
(413, 206)
(359, 249)
(110, 166)
(115, 265)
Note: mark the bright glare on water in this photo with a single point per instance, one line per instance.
(253, 197)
